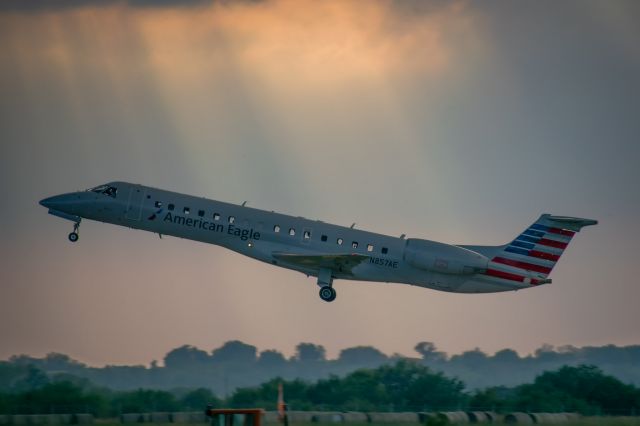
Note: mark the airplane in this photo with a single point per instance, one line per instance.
(325, 250)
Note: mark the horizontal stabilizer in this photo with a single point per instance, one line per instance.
(572, 223)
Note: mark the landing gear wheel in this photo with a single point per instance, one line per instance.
(73, 236)
(328, 294)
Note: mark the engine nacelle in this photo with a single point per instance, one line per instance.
(443, 258)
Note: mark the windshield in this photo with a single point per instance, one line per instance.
(111, 191)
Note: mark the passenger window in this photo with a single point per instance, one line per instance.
(232, 219)
(171, 207)
(158, 204)
(354, 244)
(186, 210)
(384, 250)
(292, 231)
(216, 216)
(276, 228)
(323, 238)
(306, 235)
(369, 247)
(201, 213)
(339, 241)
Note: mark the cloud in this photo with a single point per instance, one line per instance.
(58, 5)
(51, 5)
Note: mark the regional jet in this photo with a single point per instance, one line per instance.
(324, 250)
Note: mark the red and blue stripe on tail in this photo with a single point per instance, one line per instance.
(530, 258)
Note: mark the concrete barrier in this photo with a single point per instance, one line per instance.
(354, 417)
(19, 419)
(197, 417)
(494, 417)
(478, 417)
(425, 416)
(572, 417)
(393, 417)
(550, 418)
(64, 419)
(82, 419)
(270, 417)
(300, 416)
(37, 419)
(453, 417)
(327, 417)
(160, 418)
(179, 417)
(518, 417)
(131, 418)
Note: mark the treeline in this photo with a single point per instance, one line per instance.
(65, 396)
(409, 386)
(236, 364)
(403, 386)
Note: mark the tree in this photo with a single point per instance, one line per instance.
(404, 386)
(589, 384)
(145, 401)
(429, 352)
(271, 359)
(60, 362)
(185, 357)
(34, 379)
(309, 352)
(473, 359)
(235, 352)
(13, 376)
(506, 356)
(363, 356)
(65, 396)
(199, 398)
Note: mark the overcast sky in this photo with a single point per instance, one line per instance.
(454, 121)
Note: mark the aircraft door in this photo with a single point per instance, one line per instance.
(134, 207)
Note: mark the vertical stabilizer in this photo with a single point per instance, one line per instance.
(537, 249)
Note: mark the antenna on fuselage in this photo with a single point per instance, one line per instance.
(243, 204)
(402, 236)
(352, 225)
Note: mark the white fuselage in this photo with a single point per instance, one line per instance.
(260, 234)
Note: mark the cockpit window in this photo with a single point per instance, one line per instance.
(111, 191)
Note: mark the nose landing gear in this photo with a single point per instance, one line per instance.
(73, 236)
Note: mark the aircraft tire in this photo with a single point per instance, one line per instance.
(73, 237)
(328, 294)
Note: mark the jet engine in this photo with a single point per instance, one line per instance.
(443, 258)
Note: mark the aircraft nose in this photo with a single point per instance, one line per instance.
(57, 202)
(48, 202)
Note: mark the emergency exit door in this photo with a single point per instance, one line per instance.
(134, 206)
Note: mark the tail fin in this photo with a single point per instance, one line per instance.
(538, 248)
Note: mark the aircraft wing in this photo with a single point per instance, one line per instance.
(336, 262)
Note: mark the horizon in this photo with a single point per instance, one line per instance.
(290, 356)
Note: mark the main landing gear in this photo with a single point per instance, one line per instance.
(73, 236)
(328, 294)
(325, 281)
